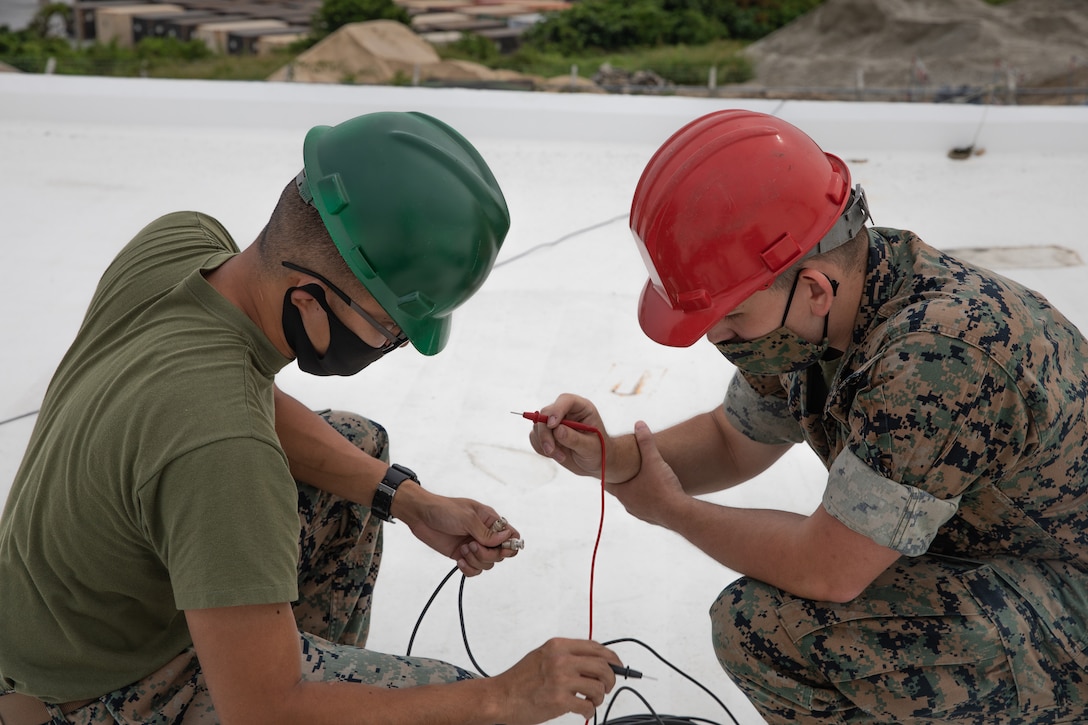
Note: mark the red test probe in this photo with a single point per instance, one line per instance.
(538, 417)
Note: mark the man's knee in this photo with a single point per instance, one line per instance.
(365, 434)
(738, 618)
(754, 648)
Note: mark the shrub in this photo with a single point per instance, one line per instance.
(608, 25)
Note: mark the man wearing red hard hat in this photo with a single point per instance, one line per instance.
(943, 577)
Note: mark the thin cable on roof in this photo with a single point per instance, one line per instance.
(19, 417)
(562, 239)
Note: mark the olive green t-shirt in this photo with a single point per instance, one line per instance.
(153, 482)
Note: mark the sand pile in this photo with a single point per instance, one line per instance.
(380, 51)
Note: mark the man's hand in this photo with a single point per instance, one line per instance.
(562, 676)
(655, 492)
(579, 451)
(460, 528)
(251, 659)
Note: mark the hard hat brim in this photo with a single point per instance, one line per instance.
(430, 336)
(668, 326)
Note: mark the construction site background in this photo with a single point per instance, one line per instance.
(946, 51)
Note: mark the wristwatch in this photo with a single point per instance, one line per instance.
(383, 495)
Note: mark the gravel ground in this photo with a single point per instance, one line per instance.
(927, 44)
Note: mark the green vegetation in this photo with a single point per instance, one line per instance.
(221, 67)
(680, 64)
(680, 40)
(152, 57)
(611, 25)
(36, 50)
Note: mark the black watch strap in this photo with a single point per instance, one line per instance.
(383, 495)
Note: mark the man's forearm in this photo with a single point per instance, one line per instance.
(814, 557)
(461, 703)
(322, 457)
(708, 454)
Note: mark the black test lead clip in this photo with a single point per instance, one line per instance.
(628, 672)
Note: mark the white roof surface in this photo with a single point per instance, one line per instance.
(87, 162)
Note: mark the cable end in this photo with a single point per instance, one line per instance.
(535, 416)
(625, 671)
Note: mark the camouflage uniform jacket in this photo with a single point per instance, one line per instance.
(954, 424)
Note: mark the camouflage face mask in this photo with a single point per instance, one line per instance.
(779, 351)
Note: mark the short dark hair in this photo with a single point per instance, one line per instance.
(296, 233)
(847, 256)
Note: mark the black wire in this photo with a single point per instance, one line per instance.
(464, 635)
(676, 669)
(460, 613)
(655, 718)
(19, 417)
(659, 719)
(652, 719)
(560, 240)
(425, 608)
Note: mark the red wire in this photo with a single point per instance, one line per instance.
(538, 417)
(597, 543)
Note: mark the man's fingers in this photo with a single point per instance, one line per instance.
(585, 708)
(595, 681)
(581, 443)
(647, 446)
(542, 439)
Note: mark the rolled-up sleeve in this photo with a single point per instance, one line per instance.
(900, 517)
(937, 418)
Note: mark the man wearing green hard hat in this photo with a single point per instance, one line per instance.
(184, 542)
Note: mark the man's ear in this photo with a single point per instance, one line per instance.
(307, 305)
(820, 290)
(314, 319)
(300, 298)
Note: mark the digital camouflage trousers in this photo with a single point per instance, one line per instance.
(932, 640)
(340, 549)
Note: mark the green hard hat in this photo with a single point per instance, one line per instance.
(414, 210)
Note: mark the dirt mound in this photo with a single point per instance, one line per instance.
(380, 51)
(934, 43)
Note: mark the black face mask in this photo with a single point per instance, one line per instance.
(347, 354)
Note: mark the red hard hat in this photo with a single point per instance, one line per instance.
(728, 202)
